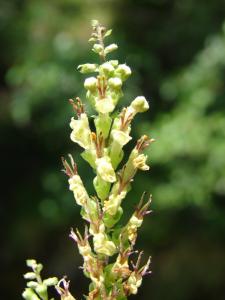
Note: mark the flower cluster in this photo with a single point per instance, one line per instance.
(106, 248)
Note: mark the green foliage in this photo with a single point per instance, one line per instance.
(192, 135)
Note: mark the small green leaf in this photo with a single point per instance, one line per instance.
(92, 39)
(108, 33)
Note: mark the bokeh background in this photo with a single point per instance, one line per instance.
(176, 49)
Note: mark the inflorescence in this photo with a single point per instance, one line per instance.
(105, 246)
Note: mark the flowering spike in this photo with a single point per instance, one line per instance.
(106, 249)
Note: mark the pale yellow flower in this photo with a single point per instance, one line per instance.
(140, 162)
(134, 283)
(121, 137)
(105, 169)
(113, 203)
(104, 105)
(103, 245)
(78, 189)
(81, 133)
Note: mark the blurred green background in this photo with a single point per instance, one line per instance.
(176, 49)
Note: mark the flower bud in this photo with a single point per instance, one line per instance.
(115, 83)
(134, 283)
(31, 263)
(29, 294)
(79, 191)
(107, 68)
(105, 169)
(112, 205)
(90, 83)
(122, 138)
(132, 227)
(94, 23)
(140, 162)
(140, 104)
(102, 245)
(32, 284)
(41, 290)
(39, 268)
(29, 275)
(87, 68)
(51, 281)
(97, 48)
(85, 251)
(123, 71)
(134, 221)
(114, 62)
(110, 48)
(81, 133)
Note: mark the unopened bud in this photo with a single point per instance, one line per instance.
(140, 162)
(134, 221)
(107, 68)
(112, 205)
(103, 245)
(134, 283)
(31, 263)
(114, 62)
(94, 23)
(115, 83)
(29, 275)
(105, 169)
(110, 48)
(29, 294)
(39, 268)
(51, 281)
(90, 83)
(87, 68)
(97, 48)
(123, 71)
(79, 191)
(140, 104)
(32, 284)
